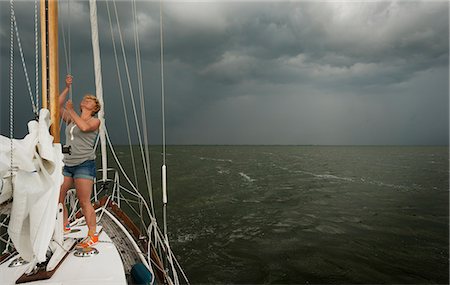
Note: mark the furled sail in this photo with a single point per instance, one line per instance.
(36, 180)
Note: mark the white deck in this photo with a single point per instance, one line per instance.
(104, 268)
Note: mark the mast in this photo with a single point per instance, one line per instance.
(98, 84)
(49, 57)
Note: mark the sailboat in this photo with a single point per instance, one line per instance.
(130, 250)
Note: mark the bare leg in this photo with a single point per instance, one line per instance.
(84, 189)
(67, 184)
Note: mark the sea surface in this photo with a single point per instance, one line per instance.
(306, 214)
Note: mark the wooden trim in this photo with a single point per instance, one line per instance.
(49, 61)
(161, 275)
(53, 68)
(126, 220)
(43, 275)
(7, 255)
(130, 225)
(44, 55)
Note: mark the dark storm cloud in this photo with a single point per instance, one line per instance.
(273, 72)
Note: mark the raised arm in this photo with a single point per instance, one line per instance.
(62, 99)
(84, 126)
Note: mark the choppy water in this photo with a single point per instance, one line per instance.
(307, 214)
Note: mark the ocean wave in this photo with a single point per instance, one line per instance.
(327, 229)
(326, 176)
(246, 177)
(330, 176)
(245, 233)
(222, 170)
(215, 159)
(186, 238)
(383, 184)
(355, 180)
(251, 201)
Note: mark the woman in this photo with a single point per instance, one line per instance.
(79, 166)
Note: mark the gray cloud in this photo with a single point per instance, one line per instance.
(269, 72)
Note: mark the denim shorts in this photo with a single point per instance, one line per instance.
(84, 170)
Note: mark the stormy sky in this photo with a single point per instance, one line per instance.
(327, 73)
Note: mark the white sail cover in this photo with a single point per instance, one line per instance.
(37, 178)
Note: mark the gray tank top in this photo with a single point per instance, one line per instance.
(81, 143)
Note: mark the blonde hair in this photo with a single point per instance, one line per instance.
(97, 103)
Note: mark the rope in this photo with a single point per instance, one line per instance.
(133, 163)
(64, 41)
(19, 43)
(70, 47)
(11, 88)
(36, 52)
(127, 178)
(124, 173)
(131, 93)
(143, 113)
(163, 241)
(131, 184)
(163, 127)
(162, 82)
(159, 240)
(67, 56)
(142, 105)
(67, 47)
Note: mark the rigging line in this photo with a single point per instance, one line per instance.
(36, 52)
(163, 174)
(129, 192)
(157, 242)
(68, 35)
(162, 81)
(126, 176)
(180, 268)
(70, 45)
(130, 88)
(167, 249)
(133, 4)
(124, 173)
(137, 193)
(35, 109)
(141, 87)
(143, 113)
(133, 163)
(64, 42)
(67, 54)
(11, 88)
(174, 271)
(160, 240)
(142, 223)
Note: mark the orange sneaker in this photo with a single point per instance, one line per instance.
(67, 229)
(88, 241)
